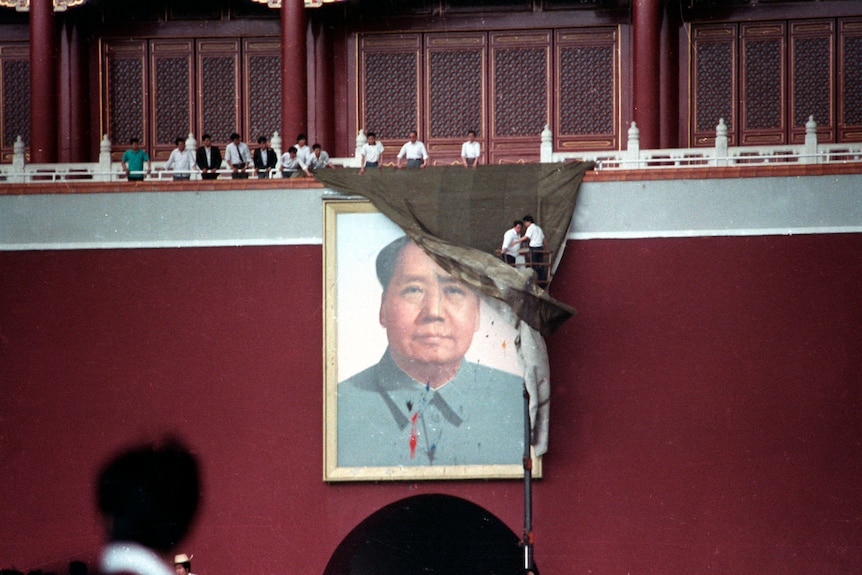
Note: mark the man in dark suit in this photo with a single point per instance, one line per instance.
(208, 159)
(264, 158)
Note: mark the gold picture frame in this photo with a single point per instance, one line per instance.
(354, 233)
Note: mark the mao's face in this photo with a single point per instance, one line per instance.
(429, 316)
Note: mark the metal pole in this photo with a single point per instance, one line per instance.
(527, 541)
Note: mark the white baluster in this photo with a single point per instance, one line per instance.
(361, 140)
(19, 159)
(275, 142)
(633, 147)
(104, 169)
(721, 143)
(547, 148)
(810, 155)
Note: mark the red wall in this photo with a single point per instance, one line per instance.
(705, 405)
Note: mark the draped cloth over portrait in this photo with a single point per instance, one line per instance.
(458, 216)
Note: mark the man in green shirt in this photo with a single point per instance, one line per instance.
(133, 161)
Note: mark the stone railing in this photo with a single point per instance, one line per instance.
(632, 157)
(720, 155)
(107, 170)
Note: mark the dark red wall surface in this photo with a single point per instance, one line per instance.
(705, 412)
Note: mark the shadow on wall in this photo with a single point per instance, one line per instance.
(428, 534)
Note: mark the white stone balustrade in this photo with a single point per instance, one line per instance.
(719, 155)
(632, 157)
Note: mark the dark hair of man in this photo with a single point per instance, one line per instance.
(471, 132)
(177, 141)
(387, 260)
(261, 139)
(517, 223)
(316, 147)
(292, 149)
(150, 494)
(529, 218)
(133, 140)
(234, 136)
(372, 134)
(301, 137)
(206, 137)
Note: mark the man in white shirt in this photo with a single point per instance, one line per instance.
(536, 236)
(303, 152)
(372, 153)
(414, 151)
(237, 155)
(320, 157)
(470, 150)
(289, 164)
(512, 242)
(180, 161)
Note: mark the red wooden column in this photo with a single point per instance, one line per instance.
(79, 106)
(64, 127)
(43, 82)
(670, 109)
(646, 28)
(294, 71)
(322, 107)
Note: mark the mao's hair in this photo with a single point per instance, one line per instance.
(387, 260)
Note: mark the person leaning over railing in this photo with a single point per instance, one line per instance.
(289, 164)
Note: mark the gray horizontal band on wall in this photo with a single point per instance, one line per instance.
(627, 210)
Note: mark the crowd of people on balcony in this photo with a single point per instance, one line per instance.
(299, 159)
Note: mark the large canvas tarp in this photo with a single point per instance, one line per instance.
(459, 216)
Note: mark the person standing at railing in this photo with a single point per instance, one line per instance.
(181, 161)
(134, 160)
(238, 156)
(264, 158)
(536, 237)
(372, 153)
(303, 152)
(470, 151)
(209, 159)
(414, 151)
